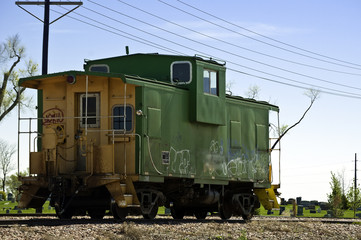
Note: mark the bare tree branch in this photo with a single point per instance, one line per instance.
(6, 154)
(13, 105)
(313, 94)
(11, 52)
(253, 92)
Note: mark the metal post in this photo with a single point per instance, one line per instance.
(279, 151)
(124, 127)
(355, 189)
(46, 37)
(46, 21)
(86, 104)
(19, 135)
(355, 173)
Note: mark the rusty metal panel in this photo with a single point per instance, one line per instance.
(37, 163)
(104, 159)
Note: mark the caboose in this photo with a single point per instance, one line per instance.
(132, 133)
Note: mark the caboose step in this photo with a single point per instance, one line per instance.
(267, 197)
(133, 206)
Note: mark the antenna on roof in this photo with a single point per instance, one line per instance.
(127, 50)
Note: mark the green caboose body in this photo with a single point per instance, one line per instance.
(139, 131)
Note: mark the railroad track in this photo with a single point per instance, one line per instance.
(9, 220)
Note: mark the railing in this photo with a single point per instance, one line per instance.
(279, 157)
(113, 133)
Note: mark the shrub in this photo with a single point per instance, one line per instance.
(3, 194)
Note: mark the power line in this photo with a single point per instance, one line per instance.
(235, 45)
(296, 86)
(248, 74)
(207, 45)
(291, 80)
(133, 38)
(269, 38)
(223, 27)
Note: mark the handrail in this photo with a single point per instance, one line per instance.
(113, 133)
(86, 129)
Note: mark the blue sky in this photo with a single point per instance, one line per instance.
(325, 141)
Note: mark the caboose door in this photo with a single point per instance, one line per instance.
(88, 128)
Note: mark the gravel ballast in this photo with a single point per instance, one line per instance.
(165, 228)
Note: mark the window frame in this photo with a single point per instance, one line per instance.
(190, 72)
(210, 82)
(99, 65)
(132, 120)
(97, 110)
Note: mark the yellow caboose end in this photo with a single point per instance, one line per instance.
(86, 116)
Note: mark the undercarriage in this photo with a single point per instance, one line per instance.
(70, 196)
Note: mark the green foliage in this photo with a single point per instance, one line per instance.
(243, 235)
(335, 197)
(4, 195)
(8, 205)
(345, 202)
(13, 182)
(257, 211)
(11, 54)
(354, 198)
(6, 153)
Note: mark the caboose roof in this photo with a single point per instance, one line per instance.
(147, 56)
(33, 82)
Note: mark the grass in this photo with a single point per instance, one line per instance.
(306, 213)
(11, 207)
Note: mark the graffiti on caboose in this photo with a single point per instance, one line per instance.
(237, 163)
(53, 116)
(180, 161)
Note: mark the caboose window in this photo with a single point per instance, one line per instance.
(210, 82)
(119, 117)
(181, 72)
(99, 68)
(90, 109)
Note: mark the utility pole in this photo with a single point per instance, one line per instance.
(355, 173)
(44, 68)
(355, 186)
(47, 23)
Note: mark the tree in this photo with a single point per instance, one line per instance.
(229, 86)
(253, 92)
(335, 197)
(11, 54)
(312, 94)
(6, 153)
(13, 182)
(354, 198)
(341, 177)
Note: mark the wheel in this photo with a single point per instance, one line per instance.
(177, 212)
(247, 217)
(151, 215)
(96, 213)
(62, 210)
(64, 214)
(225, 210)
(200, 214)
(119, 213)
